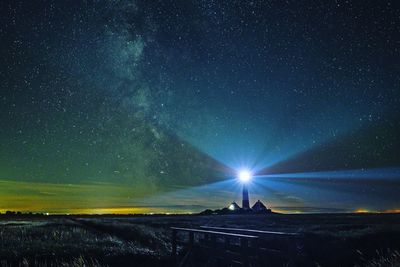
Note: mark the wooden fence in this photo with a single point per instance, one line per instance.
(218, 246)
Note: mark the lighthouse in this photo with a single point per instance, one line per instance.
(245, 177)
(245, 199)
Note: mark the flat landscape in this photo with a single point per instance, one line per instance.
(324, 240)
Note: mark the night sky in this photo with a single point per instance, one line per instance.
(152, 106)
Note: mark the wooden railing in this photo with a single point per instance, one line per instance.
(257, 232)
(232, 246)
(216, 245)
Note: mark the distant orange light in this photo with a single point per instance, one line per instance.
(392, 211)
(361, 210)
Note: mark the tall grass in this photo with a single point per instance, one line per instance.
(390, 258)
(79, 261)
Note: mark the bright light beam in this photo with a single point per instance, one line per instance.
(378, 173)
(244, 176)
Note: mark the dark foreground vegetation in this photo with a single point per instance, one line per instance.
(327, 239)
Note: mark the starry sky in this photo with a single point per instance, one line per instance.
(153, 106)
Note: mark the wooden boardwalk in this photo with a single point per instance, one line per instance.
(218, 246)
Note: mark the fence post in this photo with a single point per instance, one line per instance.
(256, 250)
(191, 240)
(292, 253)
(245, 253)
(226, 242)
(207, 239)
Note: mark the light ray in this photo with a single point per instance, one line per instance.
(377, 173)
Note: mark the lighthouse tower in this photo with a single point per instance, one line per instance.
(245, 199)
(245, 177)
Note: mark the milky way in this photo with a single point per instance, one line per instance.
(153, 104)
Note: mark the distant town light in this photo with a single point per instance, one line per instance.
(231, 207)
(244, 176)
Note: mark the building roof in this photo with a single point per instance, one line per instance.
(258, 206)
(233, 206)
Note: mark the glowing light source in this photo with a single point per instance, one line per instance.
(231, 207)
(244, 176)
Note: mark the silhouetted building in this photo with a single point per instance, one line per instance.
(259, 206)
(233, 206)
(245, 200)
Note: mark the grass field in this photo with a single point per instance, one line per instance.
(327, 239)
